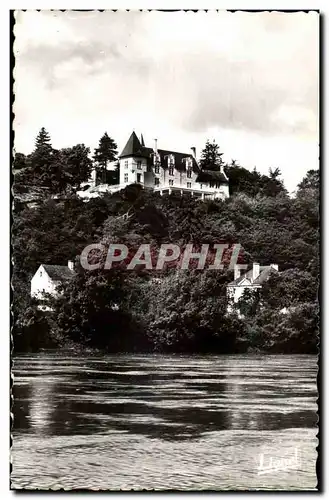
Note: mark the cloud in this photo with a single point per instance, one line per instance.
(178, 76)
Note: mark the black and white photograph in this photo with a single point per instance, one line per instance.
(165, 250)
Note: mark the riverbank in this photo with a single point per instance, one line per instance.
(148, 310)
(79, 349)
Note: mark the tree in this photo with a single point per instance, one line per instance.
(289, 288)
(105, 153)
(43, 140)
(185, 312)
(242, 180)
(52, 169)
(32, 330)
(179, 311)
(75, 165)
(40, 160)
(33, 171)
(211, 158)
(310, 181)
(271, 185)
(19, 161)
(91, 310)
(253, 183)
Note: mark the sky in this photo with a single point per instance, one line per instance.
(249, 81)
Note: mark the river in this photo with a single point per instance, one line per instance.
(164, 422)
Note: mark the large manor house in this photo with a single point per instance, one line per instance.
(165, 171)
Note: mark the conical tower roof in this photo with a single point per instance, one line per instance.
(133, 147)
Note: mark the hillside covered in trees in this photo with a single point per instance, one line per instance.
(118, 310)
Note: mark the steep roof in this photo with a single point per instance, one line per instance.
(212, 175)
(265, 272)
(133, 147)
(58, 273)
(136, 148)
(179, 159)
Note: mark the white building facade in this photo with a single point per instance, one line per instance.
(46, 281)
(251, 280)
(167, 171)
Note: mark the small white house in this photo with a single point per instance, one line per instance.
(47, 279)
(251, 280)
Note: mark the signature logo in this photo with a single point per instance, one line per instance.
(267, 465)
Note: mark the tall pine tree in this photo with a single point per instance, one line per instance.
(105, 153)
(211, 157)
(43, 140)
(41, 158)
(56, 171)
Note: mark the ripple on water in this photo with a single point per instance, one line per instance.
(152, 422)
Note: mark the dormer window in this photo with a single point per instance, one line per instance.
(171, 160)
(139, 164)
(157, 169)
(189, 173)
(171, 170)
(157, 159)
(189, 162)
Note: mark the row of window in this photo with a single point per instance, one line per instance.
(171, 172)
(157, 167)
(139, 178)
(171, 183)
(139, 164)
(156, 180)
(171, 162)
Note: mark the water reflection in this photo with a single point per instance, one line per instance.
(122, 422)
(172, 398)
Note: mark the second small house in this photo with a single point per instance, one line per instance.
(251, 280)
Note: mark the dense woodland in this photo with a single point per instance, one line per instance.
(162, 311)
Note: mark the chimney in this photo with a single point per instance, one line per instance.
(70, 265)
(255, 271)
(237, 271)
(193, 152)
(275, 266)
(155, 146)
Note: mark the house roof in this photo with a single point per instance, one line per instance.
(136, 148)
(179, 159)
(265, 272)
(58, 273)
(133, 147)
(212, 175)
